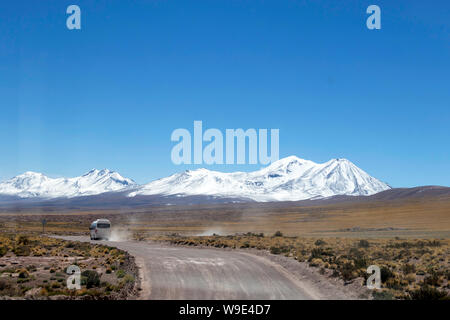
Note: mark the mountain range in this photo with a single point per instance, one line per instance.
(288, 179)
(36, 185)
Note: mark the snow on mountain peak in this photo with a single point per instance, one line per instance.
(96, 172)
(32, 184)
(288, 179)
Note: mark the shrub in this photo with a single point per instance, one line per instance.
(23, 240)
(316, 262)
(394, 283)
(363, 244)
(434, 243)
(23, 273)
(355, 253)
(315, 253)
(90, 278)
(3, 251)
(432, 280)
(420, 273)
(382, 295)
(246, 244)
(128, 279)
(386, 274)
(347, 271)
(319, 242)
(4, 285)
(319, 253)
(278, 234)
(120, 273)
(43, 292)
(428, 293)
(410, 278)
(275, 250)
(22, 251)
(408, 268)
(31, 268)
(361, 263)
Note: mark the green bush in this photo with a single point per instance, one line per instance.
(275, 250)
(120, 273)
(128, 279)
(90, 278)
(315, 253)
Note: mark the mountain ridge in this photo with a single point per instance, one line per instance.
(37, 185)
(288, 179)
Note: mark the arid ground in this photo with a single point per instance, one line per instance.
(407, 237)
(412, 217)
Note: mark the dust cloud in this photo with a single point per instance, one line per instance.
(212, 231)
(118, 234)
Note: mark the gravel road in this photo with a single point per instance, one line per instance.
(170, 272)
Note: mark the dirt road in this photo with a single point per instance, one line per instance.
(170, 272)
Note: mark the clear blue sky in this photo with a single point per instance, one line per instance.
(109, 95)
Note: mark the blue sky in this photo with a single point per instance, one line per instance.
(110, 95)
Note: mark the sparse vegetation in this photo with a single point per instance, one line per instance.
(32, 262)
(410, 269)
(351, 240)
(90, 278)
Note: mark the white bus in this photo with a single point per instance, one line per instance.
(100, 229)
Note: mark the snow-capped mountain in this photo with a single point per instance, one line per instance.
(288, 179)
(36, 185)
